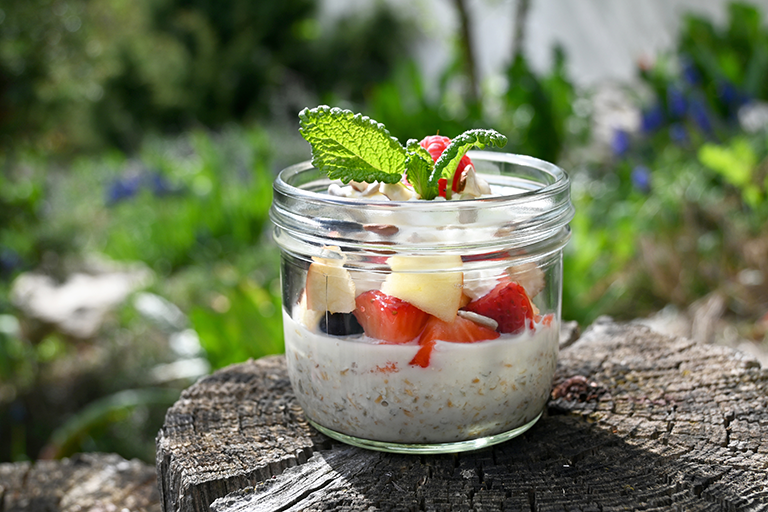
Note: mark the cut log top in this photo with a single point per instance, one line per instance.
(637, 421)
(88, 482)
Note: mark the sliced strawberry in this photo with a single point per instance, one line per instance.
(435, 145)
(422, 356)
(460, 330)
(388, 318)
(508, 304)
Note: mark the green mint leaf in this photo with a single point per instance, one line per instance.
(418, 167)
(446, 165)
(349, 146)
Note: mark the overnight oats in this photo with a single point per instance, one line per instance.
(421, 284)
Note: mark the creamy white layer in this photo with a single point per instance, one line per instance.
(367, 389)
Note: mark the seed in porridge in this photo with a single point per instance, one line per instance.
(385, 403)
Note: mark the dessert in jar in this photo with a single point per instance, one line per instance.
(421, 284)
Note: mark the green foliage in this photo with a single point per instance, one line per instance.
(736, 54)
(533, 112)
(90, 75)
(204, 199)
(247, 324)
(680, 210)
(539, 108)
(737, 164)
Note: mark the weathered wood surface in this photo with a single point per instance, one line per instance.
(657, 423)
(89, 482)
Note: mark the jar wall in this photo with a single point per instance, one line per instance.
(395, 339)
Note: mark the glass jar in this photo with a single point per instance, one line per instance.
(477, 284)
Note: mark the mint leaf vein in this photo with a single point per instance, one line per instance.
(349, 146)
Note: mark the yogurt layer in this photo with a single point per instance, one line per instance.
(364, 388)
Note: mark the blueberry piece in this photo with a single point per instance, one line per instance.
(340, 324)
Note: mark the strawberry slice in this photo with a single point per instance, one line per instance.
(508, 304)
(435, 145)
(388, 318)
(460, 330)
(422, 356)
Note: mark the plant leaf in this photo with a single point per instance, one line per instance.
(446, 165)
(349, 146)
(418, 167)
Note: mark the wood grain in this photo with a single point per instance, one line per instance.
(642, 421)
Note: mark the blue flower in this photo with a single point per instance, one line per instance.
(620, 142)
(9, 260)
(690, 73)
(678, 133)
(641, 179)
(700, 115)
(732, 97)
(122, 189)
(160, 185)
(676, 102)
(652, 119)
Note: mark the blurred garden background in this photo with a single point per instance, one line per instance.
(139, 140)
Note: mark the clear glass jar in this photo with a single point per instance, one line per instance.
(424, 395)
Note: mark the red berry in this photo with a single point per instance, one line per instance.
(508, 304)
(435, 145)
(460, 330)
(442, 184)
(422, 356)
(388, 318)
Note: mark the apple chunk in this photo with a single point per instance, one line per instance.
(329, 285)
(420, 281)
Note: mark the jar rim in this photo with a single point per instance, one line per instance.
(560, 179)
(540, 208)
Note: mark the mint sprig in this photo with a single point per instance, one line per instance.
(354, 147)
(349, 146)
(418, 168)
(448, 163)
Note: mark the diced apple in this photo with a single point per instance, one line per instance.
(329, 285)
(420, 281)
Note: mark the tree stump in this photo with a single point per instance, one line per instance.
(637, 420)
(92, 482)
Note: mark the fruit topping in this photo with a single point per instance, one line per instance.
(422, 356)
(352, 147)
(423, 281)
(508, 304)
(329, 285)
(388, 318)
(460, 330)
(340, 324)
(435, 145)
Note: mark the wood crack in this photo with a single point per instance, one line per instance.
(653, 440)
